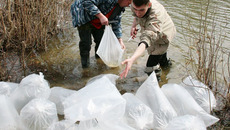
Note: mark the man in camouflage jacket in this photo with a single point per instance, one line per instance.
(157, 31)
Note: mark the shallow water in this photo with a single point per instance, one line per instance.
(62, 60)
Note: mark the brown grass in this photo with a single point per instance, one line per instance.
(27, 25)
(208, 59)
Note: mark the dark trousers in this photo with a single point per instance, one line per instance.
(86, 32)
(153, 60)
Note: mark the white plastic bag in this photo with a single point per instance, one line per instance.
(63, 125)
(100, 99)
(111, 77)
(9, 117)
(186, 122)
(184, 103)
(200, 92)
(109, 49)
(6, 88)
(30, 87)
(94, 124)
(137, 114)
(39, 114)
(151, 94)
(58, 95)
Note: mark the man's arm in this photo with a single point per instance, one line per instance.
(103, 19)
(129, 62)
(91, 6)
(121, 43)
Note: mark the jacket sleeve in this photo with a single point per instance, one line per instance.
(91, 6)
(152, 30)
(117, 27)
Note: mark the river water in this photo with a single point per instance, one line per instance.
(62, 60)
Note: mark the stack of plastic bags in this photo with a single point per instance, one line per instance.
(33, 105)
(25, 106)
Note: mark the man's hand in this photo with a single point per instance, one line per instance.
(121, 43)
(133, 32)
(129, 63)
(104, 20)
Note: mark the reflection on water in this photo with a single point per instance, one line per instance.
(62, 59)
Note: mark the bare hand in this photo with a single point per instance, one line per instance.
(128, 63)
(121, 43)
(133, 32)
(104, 20)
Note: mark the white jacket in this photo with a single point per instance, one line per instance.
(157, 28)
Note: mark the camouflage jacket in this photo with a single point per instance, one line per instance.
(157, 28)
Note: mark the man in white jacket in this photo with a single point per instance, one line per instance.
(157, 31)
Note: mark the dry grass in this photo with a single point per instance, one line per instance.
(27, 25)
(208, 60)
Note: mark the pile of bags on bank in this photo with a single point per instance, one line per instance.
(33, 105)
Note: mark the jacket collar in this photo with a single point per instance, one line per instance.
(147, 13)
